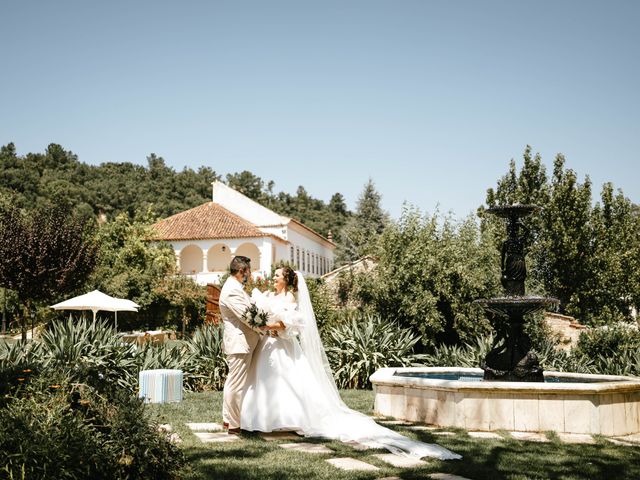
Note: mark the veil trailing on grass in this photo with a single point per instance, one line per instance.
(332, 418)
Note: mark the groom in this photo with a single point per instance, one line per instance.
(239, 340)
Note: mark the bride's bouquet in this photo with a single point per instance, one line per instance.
(255, 317)
(258, 314)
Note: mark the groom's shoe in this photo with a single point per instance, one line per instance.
(231, 431)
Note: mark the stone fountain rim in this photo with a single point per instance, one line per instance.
(614, 384)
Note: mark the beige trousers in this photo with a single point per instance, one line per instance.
(234, 387)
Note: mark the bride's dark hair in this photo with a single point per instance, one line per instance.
(290, 277)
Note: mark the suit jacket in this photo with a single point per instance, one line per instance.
(238, 336)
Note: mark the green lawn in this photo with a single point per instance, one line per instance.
(255, 458)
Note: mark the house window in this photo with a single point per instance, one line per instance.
(292, 258)
(309, 260)
(304, 265)
(313, 263)
(298, 255)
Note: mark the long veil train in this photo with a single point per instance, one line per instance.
(333, 419)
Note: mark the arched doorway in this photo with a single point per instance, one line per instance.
(218, 258)
(251, 251)
(191, 259)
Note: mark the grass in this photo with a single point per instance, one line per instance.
(507, 458)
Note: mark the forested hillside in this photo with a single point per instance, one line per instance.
(58, 175)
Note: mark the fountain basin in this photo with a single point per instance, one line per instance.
(570, 403)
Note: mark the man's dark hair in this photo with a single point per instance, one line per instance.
(239, 264)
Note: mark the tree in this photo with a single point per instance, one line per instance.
(585, 256)
(430, 270)
(131, 265)
(364, 227)
(186, 295)
(565, 243)
(44, 254)
(339, 214)
(613, 288)
(248, 184)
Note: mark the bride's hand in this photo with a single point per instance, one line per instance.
(274, 326)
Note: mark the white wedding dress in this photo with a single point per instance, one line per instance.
(291, 387)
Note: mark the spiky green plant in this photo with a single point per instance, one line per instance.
(362, 345)
(204, 359)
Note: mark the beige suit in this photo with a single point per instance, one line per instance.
(239, 341)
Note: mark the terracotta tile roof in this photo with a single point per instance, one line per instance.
(209, 220)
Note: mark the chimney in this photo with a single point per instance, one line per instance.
(330, 236)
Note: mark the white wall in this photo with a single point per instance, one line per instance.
(319, 252)
(245, 207)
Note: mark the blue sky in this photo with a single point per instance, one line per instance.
(431, 99)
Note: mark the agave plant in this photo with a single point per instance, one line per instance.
(359, 347)
(204, 359)
(90, 353)
(467, 355)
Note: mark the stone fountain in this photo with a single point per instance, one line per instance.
(512, 358)
(510, 392)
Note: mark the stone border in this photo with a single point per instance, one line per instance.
(609, 409)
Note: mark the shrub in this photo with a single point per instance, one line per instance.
(608, 341)
(359, 347)
(53, 428)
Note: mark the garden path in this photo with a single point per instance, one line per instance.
(213, 433)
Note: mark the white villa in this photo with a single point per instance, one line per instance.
(207, 237)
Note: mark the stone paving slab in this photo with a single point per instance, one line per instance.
(530, 436)
(446, 476)
(219, 437)
(165, 427)
(348, 463)
(421, 428)
(175, 438)
(444, 434)
(615, 441)
(389, 478)
(204, 427)
(306, 447)
(274, 436)
(400, 461)
(576, 438)
(395, 422)
(358, 446)
(490, 435)
(634, 438)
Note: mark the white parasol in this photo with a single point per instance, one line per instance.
(95, 301)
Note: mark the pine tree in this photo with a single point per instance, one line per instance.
(361, 231)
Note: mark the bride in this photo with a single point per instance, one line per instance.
(290, 384)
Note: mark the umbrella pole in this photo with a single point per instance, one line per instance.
(116, 312)
(94, 315)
